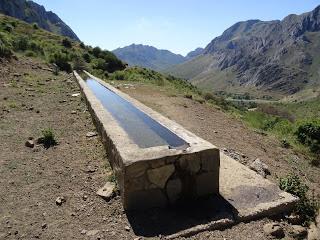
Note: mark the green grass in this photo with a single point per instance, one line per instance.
(285, 121)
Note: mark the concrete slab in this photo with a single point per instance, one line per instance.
(251, 195)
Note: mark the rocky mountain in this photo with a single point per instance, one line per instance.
(151, 57)
(148, 56)
(195, 53)
(280, 56)
(32, 12)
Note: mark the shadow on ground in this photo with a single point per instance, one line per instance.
(155, 222)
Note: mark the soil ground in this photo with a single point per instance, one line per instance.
(33, 99)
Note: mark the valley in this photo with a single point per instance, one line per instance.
(254, 92)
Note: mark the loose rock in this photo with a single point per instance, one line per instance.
(298, 231)
(274, 229)
(60, 200)
(313, 232)
(127, 228)
(30, 143)
(107, 191)
(92, 233)
(260, 167)
(91, 134)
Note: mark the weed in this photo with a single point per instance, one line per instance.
(48, 138)
(307, 207)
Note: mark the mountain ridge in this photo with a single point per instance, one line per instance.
(151, 57)
(278, 56)
(32, 12)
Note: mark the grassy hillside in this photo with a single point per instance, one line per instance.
(19, 38)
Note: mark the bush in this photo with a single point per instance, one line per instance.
(35, 47)
(79, 64)
(66, 43)
(82, 45)
(30, 53)
(86, 57)
(118, 75)
(307, 207)
(8, 27)
(96, 52)
(209, 96)
(48, 138)
(62, 61)
(5, 52)
(308, 133)
(21, 44)
(35, 26)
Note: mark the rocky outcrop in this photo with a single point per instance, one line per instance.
(31, 12)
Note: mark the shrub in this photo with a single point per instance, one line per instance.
(208, 96)
(21, 44)
(66, 43)
(35, 47)
(5, 52)
(308, 133)
(82, 45)
(96, 52)
(35, 26)
(30, 53)
(48, 138)
(8, 27)
(118, 75)
(86, 57)
(307, 207)
(79, 64)
(62, 61)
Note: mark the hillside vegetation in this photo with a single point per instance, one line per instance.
(20, 38)
(32, 12)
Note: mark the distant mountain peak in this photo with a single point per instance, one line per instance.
(149, 56)
(32, 12)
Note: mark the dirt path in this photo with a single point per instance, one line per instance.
(32, 98)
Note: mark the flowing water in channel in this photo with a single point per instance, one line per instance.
(142, 129)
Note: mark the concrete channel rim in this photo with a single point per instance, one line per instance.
(132, 152)
(141, 128)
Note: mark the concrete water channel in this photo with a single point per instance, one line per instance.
(158, 163)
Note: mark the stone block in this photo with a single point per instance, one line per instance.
(159, 176)
(174, 188)
(207, 183)
(210, 160)
(190, 163)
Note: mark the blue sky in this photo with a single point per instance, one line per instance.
(177, 25)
